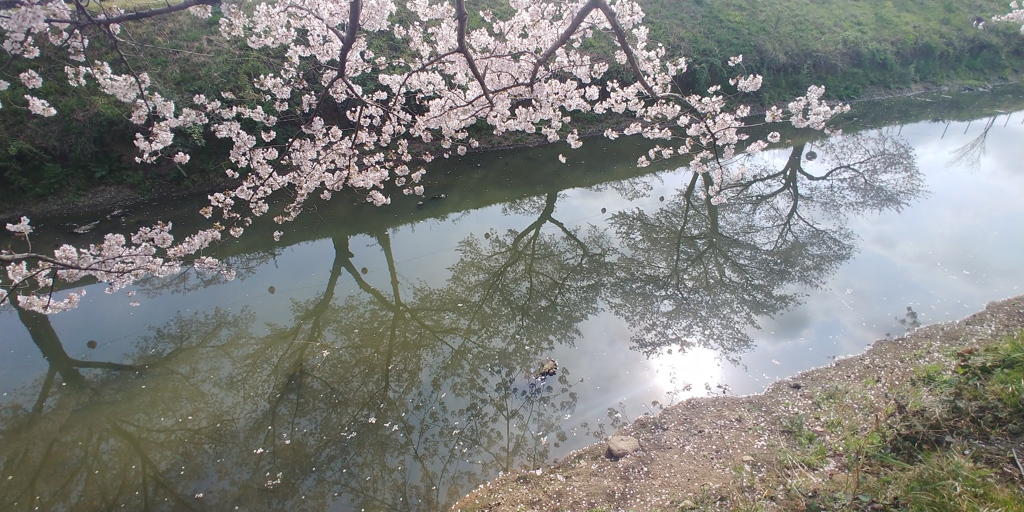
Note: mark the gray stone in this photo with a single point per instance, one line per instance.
(687, 505)
(620, 446)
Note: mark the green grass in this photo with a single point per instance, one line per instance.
(89, 142)
(871, 44)
(949, 447)
(949, 481)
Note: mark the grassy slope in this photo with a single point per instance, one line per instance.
(89, 142)
(848, 45)
(949, 440)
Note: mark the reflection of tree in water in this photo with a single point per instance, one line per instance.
(123, 439)
(630, 189)
(243, 264)
(696, 272)
(910, 320)
(393, 399)
(526, 291)
(536, 285)
(58, 361)
(969, 155)
(353, 402)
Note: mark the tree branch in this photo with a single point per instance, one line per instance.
(463, 18)
(348, 40)
(134, 16)
(355, 10)
(564, 38)
(620, 34)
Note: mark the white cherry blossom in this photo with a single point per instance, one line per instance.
(31, 79)
(522, 72)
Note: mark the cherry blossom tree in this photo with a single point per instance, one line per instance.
(1016, 15)
(354, 113)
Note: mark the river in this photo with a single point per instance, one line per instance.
(389, 358)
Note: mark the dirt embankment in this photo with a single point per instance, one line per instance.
(715, 450)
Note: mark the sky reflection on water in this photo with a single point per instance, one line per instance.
(389, 368)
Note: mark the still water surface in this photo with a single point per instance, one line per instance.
(386, 359)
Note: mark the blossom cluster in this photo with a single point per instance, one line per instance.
(118, 261)
(1016, 15)
(525, 71)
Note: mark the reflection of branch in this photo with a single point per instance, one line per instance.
(396, 306)
(384, 239)
(45, 338)
(787, 173)
(532, 231)
(44, 391)
(177, 351)
(34, 477)
(695, 268)
(969, 155)
(314, 316)
(341, 247)
(148, 464)
(681, 232)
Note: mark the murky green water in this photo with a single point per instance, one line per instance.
(387, 359)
